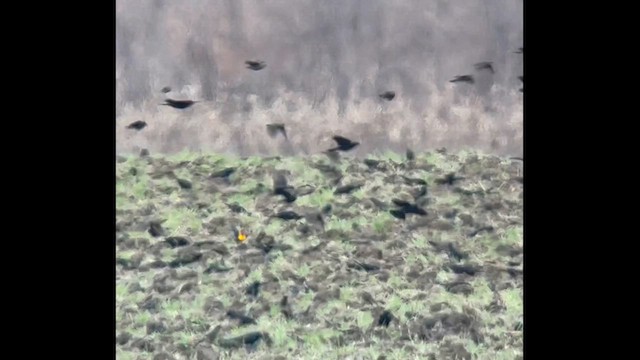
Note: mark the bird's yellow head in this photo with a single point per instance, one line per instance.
(241, 236)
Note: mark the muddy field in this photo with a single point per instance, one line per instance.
(344, 276)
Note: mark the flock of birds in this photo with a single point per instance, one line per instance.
(343, 144)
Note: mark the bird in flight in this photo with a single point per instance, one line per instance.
(520, 50)
(485, 65)
(344, 144)
(166, 89)
(463, 78)
(274, 129)
(179, 104)
(388, 95)
(255, 65)
(137, 125)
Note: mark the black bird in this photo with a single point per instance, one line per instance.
(413, 181)
(388, 95)
(521, 78)
(409, 208)
(137, 125)
(236, 208)
(281, 187)
(249, 339)
(166, 89)
(176, 241)
(253, 289)
(485, 65)
(285, 308)
(385, 318)
(224, 173)
(520, 51)
(179, 104)
(184, 184)
(242, 318)
(344, 144)
(255, 65)
(516, 158)
(274, 129)
(398, 214)
(410, 155)
(346, 189)
(287, 215)
(449, 179)
(156, 229)
(463, 78)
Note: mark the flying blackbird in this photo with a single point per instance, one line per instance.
(485, 65)
(166, 89)
(344, 144)
(463, 78)
(255, 65)
(274, 129)
(388, 95)
(520, 51)
(137, 125)
(521, 78)
(179, 104)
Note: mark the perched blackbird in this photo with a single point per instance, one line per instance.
(449, 179)
(255, 65)
(244, 320)
(137, 125)
(179, 104)
(463, 78)
(281, 187)
(184, 184)
(408, 208)
(388, 95)
(166, 89)
(249, 339)
(287, 215)
(410, 155)
(224, 173)
(344, 144)
(285, 308)
(236, 208)
(485, 65)
(274, 129)
(253, 289)
(346, 189)
(385, 318)
(399, 214)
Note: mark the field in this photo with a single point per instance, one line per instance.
(346, 280)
